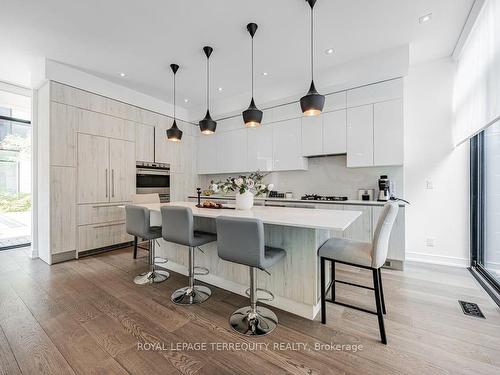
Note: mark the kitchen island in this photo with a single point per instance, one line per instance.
(300, 231)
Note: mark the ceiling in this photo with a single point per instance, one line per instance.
(141, 39)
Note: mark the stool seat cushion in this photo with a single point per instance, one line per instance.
(154, 233)
(272, 255)
(349, 251)
(202, 238)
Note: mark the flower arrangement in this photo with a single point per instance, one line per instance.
(242, 184)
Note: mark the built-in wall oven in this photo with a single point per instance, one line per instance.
(153, 178)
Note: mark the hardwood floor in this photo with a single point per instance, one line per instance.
(88, 317)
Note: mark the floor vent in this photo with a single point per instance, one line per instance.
(471, 309)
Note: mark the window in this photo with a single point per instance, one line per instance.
(15, 170)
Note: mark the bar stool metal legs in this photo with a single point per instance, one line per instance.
(191, 294)
(153, 275)
(254, 320)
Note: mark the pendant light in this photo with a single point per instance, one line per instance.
(312, 103)
(207, 125)
(252, 116)
(174, 134)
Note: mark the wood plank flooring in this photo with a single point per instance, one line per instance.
(88, 317)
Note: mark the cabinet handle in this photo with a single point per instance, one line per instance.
(111, 205)
(113, 183)
(106, 182)
(107, 225)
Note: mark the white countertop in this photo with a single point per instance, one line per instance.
(295, 200)
(286, 216)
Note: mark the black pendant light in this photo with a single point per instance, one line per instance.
(207, 125)
(252, 116)
(312, 104)
(174, 134)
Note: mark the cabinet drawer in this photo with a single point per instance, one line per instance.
(100, 213)
(101, 235)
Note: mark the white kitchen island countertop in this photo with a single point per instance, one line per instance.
(337, 220)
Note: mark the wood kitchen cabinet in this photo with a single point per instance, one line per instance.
(105, 170)
(144, 143)
(92, 169)
(122, 170)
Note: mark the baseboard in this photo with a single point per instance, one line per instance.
(437, 259)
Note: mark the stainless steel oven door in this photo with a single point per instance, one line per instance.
(150, 181)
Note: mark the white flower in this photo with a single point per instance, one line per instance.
(224, 189)
(215, 188)
(250, 183)
(270, 187)
(238, 182)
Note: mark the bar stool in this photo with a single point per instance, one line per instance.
(177, 227)
(138, 199)
(365, 255)
(241, 240)
(138, 224)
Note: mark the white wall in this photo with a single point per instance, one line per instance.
(439, 212)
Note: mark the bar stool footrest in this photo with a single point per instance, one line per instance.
(204, 271)
(269, 299)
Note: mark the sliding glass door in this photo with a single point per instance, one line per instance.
(15, 170)
(485, 204)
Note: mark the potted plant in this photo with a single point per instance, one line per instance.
(246, 188)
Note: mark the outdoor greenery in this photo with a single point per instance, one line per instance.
(15, 202)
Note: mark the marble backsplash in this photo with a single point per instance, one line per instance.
(327, 175)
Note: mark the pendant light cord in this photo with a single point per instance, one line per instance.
(174, 96)
(208, 84)
(252, 67)
(312, 43)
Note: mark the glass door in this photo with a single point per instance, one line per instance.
(485, 209)
(490, 254)
(15, 170)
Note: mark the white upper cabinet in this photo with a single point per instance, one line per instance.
(312, 135)
(379, 92)
(287, 112)
(260, 148)
(232, 151)
(144, 143)
(206, 152)
(287, 146)
(388, 133)
(360, 136)
(336, 101)
(334, 132)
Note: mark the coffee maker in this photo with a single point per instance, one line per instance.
(384, 186)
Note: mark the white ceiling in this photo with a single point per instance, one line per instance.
(141, 38)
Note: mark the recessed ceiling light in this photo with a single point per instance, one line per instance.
(186, 100)
(265, 74)
(123, 74)
(329, 51)
(425, 18)
(220, 89)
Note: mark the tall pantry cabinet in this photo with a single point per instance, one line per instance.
(86, 158)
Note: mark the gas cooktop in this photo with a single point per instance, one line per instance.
(316, 197)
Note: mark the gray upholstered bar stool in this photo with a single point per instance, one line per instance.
(138, 225)
(138, 199)
(366, 255)
(178, 227)
(241, 240)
